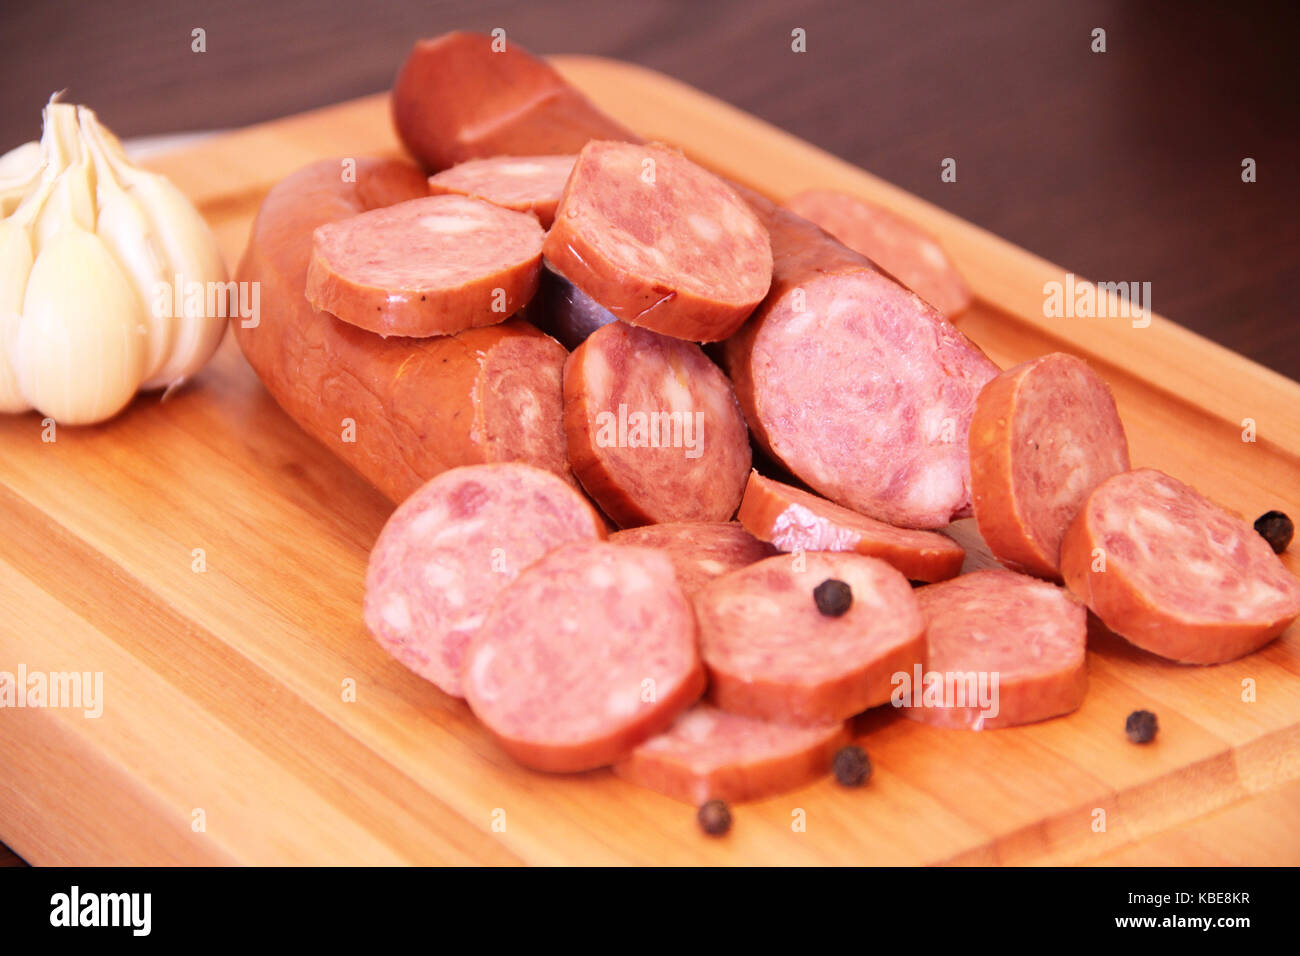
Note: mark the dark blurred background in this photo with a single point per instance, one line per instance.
(1120, 166)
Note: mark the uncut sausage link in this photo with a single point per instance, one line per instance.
(415, 407)
(901, 248)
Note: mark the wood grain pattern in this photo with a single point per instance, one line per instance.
(224, 689)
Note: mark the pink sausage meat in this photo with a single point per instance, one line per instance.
(1029, 633)
(898, 246)
(699, 550)
(660, 242)
(709, 754)
(1044, 434)
(773, 655)
(794, 520)
(654, 432)
(522, 183)
(1174, 573)
(431, 266)
(446, 552)
(855, 384)
(589, 652)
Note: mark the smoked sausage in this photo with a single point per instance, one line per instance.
(775, 651)
(463, 96)
(451, 547)
(854, 384)
(1044, 434)
(709, 754)
(589, 652)
(430, 266)
(1174, 573)
(399, 411)
(794, 520)
(901, 248)
(1017, 642)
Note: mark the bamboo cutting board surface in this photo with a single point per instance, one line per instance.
(227, 735)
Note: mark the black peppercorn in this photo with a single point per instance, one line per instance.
(852, 767)
(1276, 528)
(1141, 726)
(714, 817)
(833, 597)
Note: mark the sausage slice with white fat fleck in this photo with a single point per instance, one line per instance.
(1044, 434)
(522, 183)
(431, 266)
(1174, 573)
(699, 550)
(777, 648)
(794, 520)
(1001, 649)
(588, 653)
(659, 241)
(854, 383)
(709, 754)
(654, 431)
(448, 550)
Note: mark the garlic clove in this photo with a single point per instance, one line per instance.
(20, 163)
(15, 266)
(77, 351)
(128, 236)
(189, 249)
(192, 253)
(72, 200)
(19, 170)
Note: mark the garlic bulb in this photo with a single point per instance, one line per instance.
(95, 254)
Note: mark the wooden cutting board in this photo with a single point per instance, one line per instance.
(229, 731)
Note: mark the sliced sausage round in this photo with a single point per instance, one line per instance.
(1044, 434)
(660, 242)
(590, 651)
(856, 385)
(700, 550)
(774, 654)
(419, 406)
(654, 431)
(709, 754)
(1174, 573)
(794, 520)
(901, 248)
(1027, 635)
(448, 549)
(430, 266)
(522, 183)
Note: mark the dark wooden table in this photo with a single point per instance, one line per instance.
(1123, 166)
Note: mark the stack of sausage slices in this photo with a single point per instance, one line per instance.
(557, 351)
